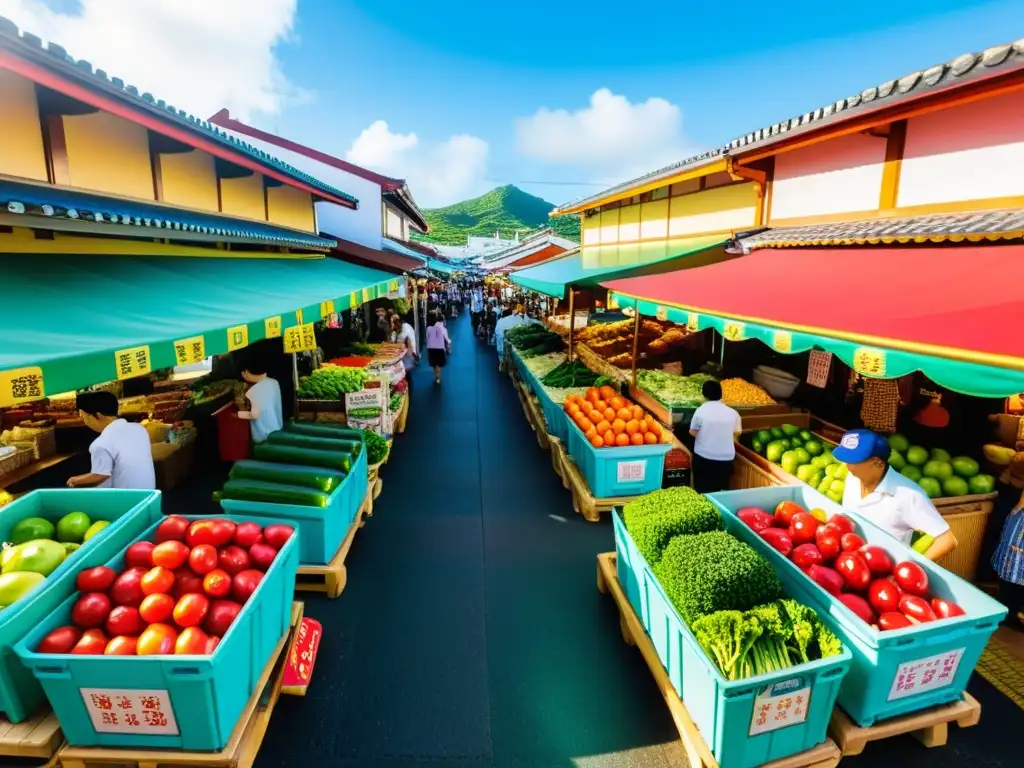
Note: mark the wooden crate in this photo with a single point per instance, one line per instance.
(37, 738)
(241, 749)
(332, 578)
(930, 727)
(698, 753)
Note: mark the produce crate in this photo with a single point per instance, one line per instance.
(869, 692)
(202, 697)
(129, 512)
(321, 529)
(554, 416)
(631, 470)
(726, 712)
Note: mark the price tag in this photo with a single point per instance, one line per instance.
(299, 338)
(21, 385)
(780, 706)
(190, 350)
(298, 316)
(734, 331)
(914, 677)
(692, 322)
(238, 337)
(661, 313)
(132, 362)
(129, 710)
(393, 286)
(818, 364)
(326, 309)
(301, 659)
(868, 361)
(272, 327)
(631, 471)
(782, 341)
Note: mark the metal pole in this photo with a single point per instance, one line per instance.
(636, 338)
(416, 311)
(572, 319)
(295, 387)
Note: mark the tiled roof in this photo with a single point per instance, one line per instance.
(963, 69)
(977, 226)
(56, 57)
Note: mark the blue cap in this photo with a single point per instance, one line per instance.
(860, 445)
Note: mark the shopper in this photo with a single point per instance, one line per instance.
(1008, 563)
(439, 346)
(891, 501)
(264, 396)
(715, 427)
(122, 456)
(404, 334)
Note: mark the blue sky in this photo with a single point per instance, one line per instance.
(461, 96)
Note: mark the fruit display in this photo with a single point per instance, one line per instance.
(532, 339)
(865, 578)
(37, 547)
(610, 420)
(937, 472)
(800, 453)
(178, 594)
(614, 341)
(331, 382)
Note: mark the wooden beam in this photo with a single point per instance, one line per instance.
(55, 150)
(895, 142)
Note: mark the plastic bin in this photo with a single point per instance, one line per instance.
(727, 712)
(129, 512)
(554, 415)
(631, 470)
(871, 690)
(202, 697)
(321, 529)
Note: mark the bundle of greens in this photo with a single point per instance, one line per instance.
(376, 447)
(655, 519)
(522, 336)
(542, 345)
(396, 401)
(574, 374)
(671, 389)
(331, 382)
(767, 638)
(542, 365)
(357, 349)
(713, 571)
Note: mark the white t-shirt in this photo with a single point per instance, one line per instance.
(407, 332)
(123, 453)
(716, 425)
(897, 505)
(265, 396)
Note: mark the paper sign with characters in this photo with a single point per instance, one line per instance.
(128, 710)
(298, 670)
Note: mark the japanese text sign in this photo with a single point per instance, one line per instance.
(272, 327)
(914, 677)
(190, 350)
(661, 313)
(779, 706)
(734, 331)
(818, 364)
(117, 710)
(21, 385)
(238, 337)
(302, 656)
(692, 322)
(782, 341)
(631, 471)
(868, 361)
(299, 338)
(133, 362)
(326, 308)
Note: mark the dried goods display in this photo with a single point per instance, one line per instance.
(614, 341)
(742, 394)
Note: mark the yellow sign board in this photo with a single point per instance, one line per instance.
(868, 361)
(298, 316)
(661, 313)
(353, 301)
(367, 296)
(393, 286)
(299, 338)
(272, 327)
(326, 308)
(783, 341)
(734, 331)
(21, 385)
(133, 362)
(613, 301)
(692, 322)
(238, 337)
(190, 350)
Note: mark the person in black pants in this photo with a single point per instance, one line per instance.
(715, 427)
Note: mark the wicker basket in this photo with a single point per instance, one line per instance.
(41, 441)
(12, 462)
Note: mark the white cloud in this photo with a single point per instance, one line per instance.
(438, 174)
(610, 139)
(199, 55)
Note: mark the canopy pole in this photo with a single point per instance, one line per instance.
(416, 311)
(721, 352)
(572, 319)
(295, 385)
(636, 340)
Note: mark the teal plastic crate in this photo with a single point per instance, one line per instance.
(129, 512)
(202, 697)
(629, 567)
(871, 690)
(728, 712)
(554, 415)
(321, 529)
(631, 470)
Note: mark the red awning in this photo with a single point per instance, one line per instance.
(966, 298)
(371, 257)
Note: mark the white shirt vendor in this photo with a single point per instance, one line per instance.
(122, 456)
(715, 426)
(266, 414)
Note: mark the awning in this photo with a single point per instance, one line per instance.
(594, 264)
(951, 312)
(70, 316)
(389, 261)
(440, 267)
(396, 247)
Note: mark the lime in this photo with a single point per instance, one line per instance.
(818, 461)
(31, 528)
(757, 446)
(832, 470)
(813, 447)
(912, 472)
(805, 435)
(773, 451)
(939, 454)
(896, 460)
(827, 455)
(940, 470)
(72, 527)
(982, 484)
(95, 528)
(790, 429)
(899, 443)
(931, 486)
(764, 436)
(825, 484)
(802, 456)
(837, 486)
(843, 472)
(804, 473)
(777, 433)
(816, 477)
(955, 486)
(786, 443)
(836, 496)
(70, 546)
(790, 461)
(917, 455)
(965, 466)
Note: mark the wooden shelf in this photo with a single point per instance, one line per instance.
(6, 481)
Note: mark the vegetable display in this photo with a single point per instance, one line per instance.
(572, 374)
(673, 390)
(317, 478)
(654, 519)
(532, 339)
(609, 420)
(272, 493)
(541, 365)
(376, 447)
(288, 454)
(323, 430)
(177, 595)
(938, 473)
(741, 393)
(331, 382)
(350, 447)
(800, 453)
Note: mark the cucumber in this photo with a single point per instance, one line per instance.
(290, 454)
(348, 447)
(323, 430)
(319, 479)
(272, 493)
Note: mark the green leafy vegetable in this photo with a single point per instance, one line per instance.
(330, 382)
(654, 519)
(671, 389)
(574, 374)
(376, 447)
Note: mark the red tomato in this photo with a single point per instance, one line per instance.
(826, 578)
(915, 607)
(98, 579)
(778, 539)
(806, 555)
(140, 554)
(158, 579)
(892, 620)
(186, 582)
(878, 560)
(827, 540)
(784, 512)
(911, 578)
(756, 518)
(200, 532)
(277, 535)
(854, 571)
(92, 643)
(217, 583)
(91, 610)
(157, 608)
(233, 559)
(157, 640)
(884, 596)
(851, 542)
(203, 559)
(244, 584)
(944, 609)
(262, 555)
(211, 644)
(124, 620)
(191, 610)
(842, 523)
(121, 646)
(222, 613)
(60, 640)
(170, 555)
(223, 532)
(172, 528)
(191, 642)
(127, 588)
(859, 606)
(802, 528)
(247, 534)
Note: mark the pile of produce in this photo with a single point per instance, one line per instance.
(178, 594)
(803, 455)
(351, 361)
(938, 473)
(533, 339)
(376, 447)
(610, 420)
(214, 390)
(331, 382)
(614, 341)
(395, 403)
(541, 365)
(741, 393)
(863, 577)
(572, 374)
(654, 519)
(37, 548)
(360, 349)
(672, 390)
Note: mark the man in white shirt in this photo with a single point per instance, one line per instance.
(265, 413)
(891, 501)
(715, 427)
(121, 457)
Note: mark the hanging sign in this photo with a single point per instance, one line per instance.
(780, 706)
(869, 361)
(21, 385)
(367, 296)
(238, 337)
(299, 338)
(818, 364)
(190, 350)
(326, 309)
(613, 301)
(661, 313)
(130, 710)
(692, 322)
(298, 316)
(133, 362)
(782, 341)
(914, 677)
(272, 327)
(353, 301)
(734, 331)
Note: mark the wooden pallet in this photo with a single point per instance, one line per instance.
(930, 727)
(375, 484)
(241, 749)
(37, 738)
(534, 415)
(558, 456)
(698, 754)
(583, 501)
(332, 578)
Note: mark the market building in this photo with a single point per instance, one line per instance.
(535, 248)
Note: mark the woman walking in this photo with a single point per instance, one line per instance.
(439, 346)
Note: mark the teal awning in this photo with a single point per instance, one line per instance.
(440, 267)
(70, 315)
(591, 265)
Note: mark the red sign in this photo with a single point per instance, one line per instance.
(298, 670)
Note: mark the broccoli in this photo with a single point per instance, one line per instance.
(828, 643)
(804, 627)
(770, 653)
(727, 637)
(652, 520)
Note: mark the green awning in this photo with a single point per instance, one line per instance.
(440, 267)
(591, 265)
(70, 315)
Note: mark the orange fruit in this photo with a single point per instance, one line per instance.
(600, 405)
(597, 441)
(573, 409)
(591, 432)
(616, 402)
(624, 413)
(593, 395)
(638, 412)
(618, 426)
(622, 439)
(584, 424)
(632, 427)
(650, 439)
(636, 439)
(609, 437)
(594, 416)
(609, 413)
(607, 392)
(642, 426)
(603, 426)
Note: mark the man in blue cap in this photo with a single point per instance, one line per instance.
(891, 501)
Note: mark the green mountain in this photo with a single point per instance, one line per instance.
(504, 209)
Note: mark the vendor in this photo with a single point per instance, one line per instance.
(714, 427)
(264, 396)
(891, 501)
(121, 456)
